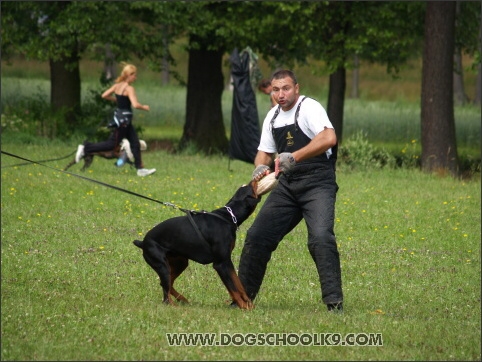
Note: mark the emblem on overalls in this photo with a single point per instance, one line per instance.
(289, 139)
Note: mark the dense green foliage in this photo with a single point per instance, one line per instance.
(63, 33)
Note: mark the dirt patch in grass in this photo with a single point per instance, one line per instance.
(163, 144)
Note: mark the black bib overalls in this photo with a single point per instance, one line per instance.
(308, 192)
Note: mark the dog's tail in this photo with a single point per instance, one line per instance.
(138, 243)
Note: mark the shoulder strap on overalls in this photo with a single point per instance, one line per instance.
(271, 123)
(298, 113)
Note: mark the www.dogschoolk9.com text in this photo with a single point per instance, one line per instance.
(275, 339)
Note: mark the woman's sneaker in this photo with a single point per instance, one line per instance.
(79, 154)
(145, 171)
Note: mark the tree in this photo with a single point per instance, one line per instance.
(58, 32)
(382, 32)
(336, 55)
(355, 79)
(439, 149)
(63, 32)
(213, 29)
(204, 126)
(468, 27)
(459, 88)
(306, 27)
(478, 85)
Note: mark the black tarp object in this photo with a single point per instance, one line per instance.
(245, 132)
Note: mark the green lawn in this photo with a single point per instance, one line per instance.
(75, 288)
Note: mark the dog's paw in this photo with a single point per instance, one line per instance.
(249, 305)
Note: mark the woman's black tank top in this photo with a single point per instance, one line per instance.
(123, 102)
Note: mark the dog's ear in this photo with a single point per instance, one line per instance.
(250, 189)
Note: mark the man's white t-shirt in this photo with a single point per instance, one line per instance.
(312, 119)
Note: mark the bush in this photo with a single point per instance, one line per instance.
(409, 156)
(33, 115)
(469, 165)
(96, 114)
(357, 153)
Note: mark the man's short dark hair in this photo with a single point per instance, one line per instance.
(264, 84)
(284, 73)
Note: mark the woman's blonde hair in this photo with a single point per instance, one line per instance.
(128, 70)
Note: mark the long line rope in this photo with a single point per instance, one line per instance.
(96, 181)
(52, 159)
(39, 161)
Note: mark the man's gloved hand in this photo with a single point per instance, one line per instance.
(259, 172)
(286, 162)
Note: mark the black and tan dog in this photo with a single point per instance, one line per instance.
(88, 158)
(205, 237)
(123, 149)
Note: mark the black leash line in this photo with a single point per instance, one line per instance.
(40, 161)
(98, 182)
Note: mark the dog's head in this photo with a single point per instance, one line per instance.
(244, 201)
(248, 192)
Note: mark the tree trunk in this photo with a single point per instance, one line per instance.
(355, 78)
(204, 127)
(337, 57)
(65, 87)
(165, 57)
(439, 147)
(110, 72)
(336, 100)
(478, 84)
(459, 88)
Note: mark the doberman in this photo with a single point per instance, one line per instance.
(88, 158)
(204, 237)
(122, 149)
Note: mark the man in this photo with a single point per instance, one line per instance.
(299, 131)
(266, 88)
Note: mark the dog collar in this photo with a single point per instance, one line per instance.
(232, 215)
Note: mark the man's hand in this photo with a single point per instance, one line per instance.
(286, 162)
(259, 172)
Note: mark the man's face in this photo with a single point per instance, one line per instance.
(285, 92)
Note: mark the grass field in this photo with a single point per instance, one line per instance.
(75, 288)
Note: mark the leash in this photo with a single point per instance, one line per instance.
(97, 182)
(41, 161)
(189, 214)
(170, 204)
